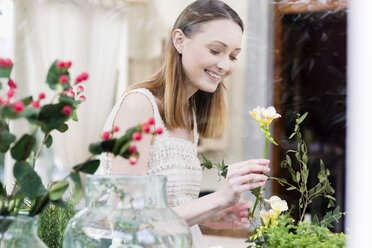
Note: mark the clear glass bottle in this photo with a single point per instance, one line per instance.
(19, 231)
(126, 211)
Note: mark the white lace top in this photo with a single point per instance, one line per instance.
(173, 157)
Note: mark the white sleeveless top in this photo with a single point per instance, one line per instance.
(175, 158)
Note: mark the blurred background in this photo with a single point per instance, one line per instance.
(293, 57)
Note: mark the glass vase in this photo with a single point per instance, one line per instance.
(19, 231)
(126, 211)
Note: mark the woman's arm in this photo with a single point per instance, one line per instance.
(240, 177)
(136, 108)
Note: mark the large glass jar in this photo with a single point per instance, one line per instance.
(19, 231)
(126, 211)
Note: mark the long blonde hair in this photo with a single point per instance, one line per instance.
(168, 83)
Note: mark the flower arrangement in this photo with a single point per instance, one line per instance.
(278, 228)
(29, 195)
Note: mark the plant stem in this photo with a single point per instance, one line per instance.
(259, 189)
(41, 145)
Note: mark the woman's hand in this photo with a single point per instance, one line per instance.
(232, 217)
(241, 177)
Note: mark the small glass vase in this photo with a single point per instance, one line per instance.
(19, 231)
(126, 211)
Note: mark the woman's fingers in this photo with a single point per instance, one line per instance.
(263, 162)
(248, 168)
(249, 179)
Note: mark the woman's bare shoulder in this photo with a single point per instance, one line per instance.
(136, 107)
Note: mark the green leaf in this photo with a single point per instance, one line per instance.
(53, 77)
(293, 134)
(298, 176)
(21, 150)
(39, 205)
(2, 190)
(6, 139)
(305, 158)
(78, 190)
(108, 145)
(74, 115)
(120, 142)
(89, 167)
(62, 128)
(95, 148)
(289, 161)
(27, 100)
(57, 190)
(28, 180)
(49, 141)
(291, 188)
(5, 72)
(51, 117)
(301, 119)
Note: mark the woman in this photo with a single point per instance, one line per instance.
(186, 99)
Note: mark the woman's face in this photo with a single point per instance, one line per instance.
(210, 55)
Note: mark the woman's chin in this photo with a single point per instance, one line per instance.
(210, 88)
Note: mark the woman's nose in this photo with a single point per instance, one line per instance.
(224, 64)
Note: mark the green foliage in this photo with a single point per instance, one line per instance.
(52, 222)
(296, 162)
(221, 167)
(287, 234)
(330, 217)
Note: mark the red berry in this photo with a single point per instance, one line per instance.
(68, 64)
(80, 89)
(82, 98)
(115, 129)
(1, 101)
(18, 107)
(11, 84)
(78, 79)
(60, 64)
(10, 93)
(137, 136)
(84, 76)
(106, 135)
(63, 79)
(1, 62)
(133, 160)
(159, 130)
(151, 121)
(35, 104)
(66, 110)
(41, 96)
(8, 63)
(71, 93)
(133, 149)
(146, 127)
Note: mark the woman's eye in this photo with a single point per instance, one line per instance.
(233, 58)
(214, 52)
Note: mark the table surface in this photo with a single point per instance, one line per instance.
(212, 241)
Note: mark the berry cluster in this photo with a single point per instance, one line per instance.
(18, 106)
(136, 136)
(7, 63)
